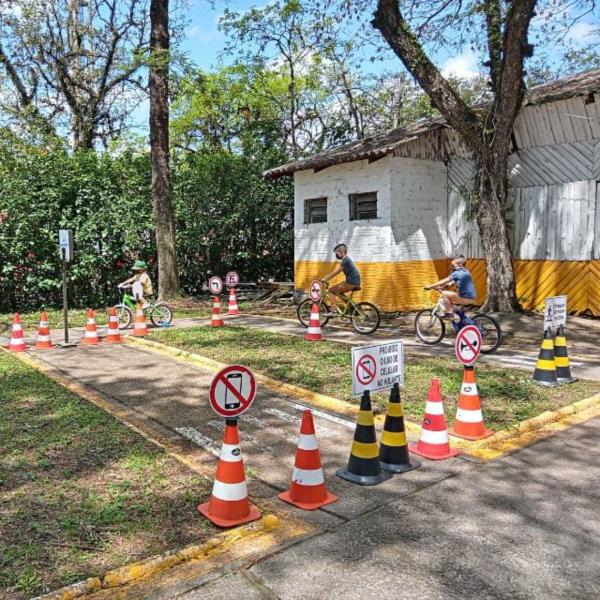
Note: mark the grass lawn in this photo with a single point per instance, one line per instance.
(508, 395)
(80, 493)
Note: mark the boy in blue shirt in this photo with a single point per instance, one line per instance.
(349, 269)
(460, 276)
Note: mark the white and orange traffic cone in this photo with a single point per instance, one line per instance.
(433, 442)
(229, 505)
(468, 423)
(113, 335)
(43, 340)
(307, 489)
(91, 330)
(233, 309)
(313, 332)
(17, 343)
(217, 319)
(140, 328)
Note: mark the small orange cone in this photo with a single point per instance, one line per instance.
(233, 309)
(140, 328)
(43, 340)
(314, 325)
(114, 336)
(17, 343)
(433, 443)
(307, 489)
(229, 505)
(217, 320)
(469, 419)
(91, 333)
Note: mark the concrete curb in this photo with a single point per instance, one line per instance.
(491, 448)
(156, 564)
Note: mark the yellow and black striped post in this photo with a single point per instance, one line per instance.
(364, 467)
(393, 449)
(545, 367)
(561, 357)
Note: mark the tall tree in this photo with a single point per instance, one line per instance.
(158, 83)
(72, 66)
(486, 133)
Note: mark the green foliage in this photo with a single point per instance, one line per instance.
(227, 217)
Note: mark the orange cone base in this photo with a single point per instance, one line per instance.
(218, 323)
(432, 452)
(45, 347)
(119, 341)
(92, 343)
(233, 313)
(140, 333)
(480, 436)
(253, 515)
(16, 348)
(287, 497)
(313, 338)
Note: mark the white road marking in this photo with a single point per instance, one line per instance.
(324, 415)
(281, 415)
(198, 438)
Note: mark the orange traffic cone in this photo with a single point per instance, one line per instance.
(140, 328)
(113, 336)
(17, 343)
(314, 325)
(433, 442)
(217, 320)
(307, 489)
(229, 505)
(43, 340)
(469, 419)
(233, 307)
(91, 334)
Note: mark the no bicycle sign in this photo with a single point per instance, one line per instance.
(377, 367)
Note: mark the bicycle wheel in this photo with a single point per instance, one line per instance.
(491, 333)
(365, 318)
(429, 327)
(161, 315)
(125, 316)
(303, 312)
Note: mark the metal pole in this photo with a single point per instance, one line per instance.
(65, 297)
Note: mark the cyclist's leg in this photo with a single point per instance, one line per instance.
(339, 290)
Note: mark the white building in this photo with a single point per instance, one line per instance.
(398, 199)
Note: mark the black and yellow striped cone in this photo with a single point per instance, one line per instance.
(561, 358)
(545, 367)
(364, 467)
(393, 449)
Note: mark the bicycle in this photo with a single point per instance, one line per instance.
(160, 314)
(431, 329)
(364, 316)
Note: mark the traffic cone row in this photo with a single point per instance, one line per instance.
(552, 367)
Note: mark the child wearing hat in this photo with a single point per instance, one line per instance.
(143, 280)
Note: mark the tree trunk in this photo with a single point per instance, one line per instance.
(168, 276)
(491, 208)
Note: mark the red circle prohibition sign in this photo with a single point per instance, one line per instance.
(469, 339)
(227, 395)
(366, 372)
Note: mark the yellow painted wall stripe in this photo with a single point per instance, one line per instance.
(361, 450)
(395, 410)
(398, 285)
(391, 438)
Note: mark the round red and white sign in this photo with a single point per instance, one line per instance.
(316, 290)
(215, 285)
(232, 391)
(468, 345)
(366, 369)
(232, 279)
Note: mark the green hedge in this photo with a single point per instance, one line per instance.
(227, 218)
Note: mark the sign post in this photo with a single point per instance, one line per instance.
(65, 240)
(377, 367)
(555, 312)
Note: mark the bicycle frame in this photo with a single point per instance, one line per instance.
(348, 303)
(464, 319)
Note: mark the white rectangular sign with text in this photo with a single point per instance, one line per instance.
(377, 367)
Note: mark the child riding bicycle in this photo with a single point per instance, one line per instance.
(461, 277)
(142, 278)
(347, 266)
